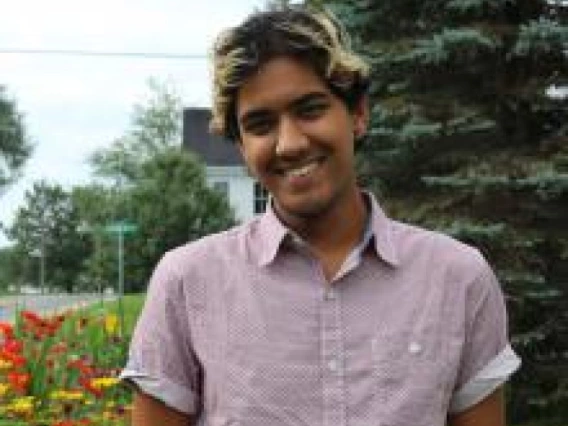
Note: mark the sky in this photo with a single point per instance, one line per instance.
(73, 105)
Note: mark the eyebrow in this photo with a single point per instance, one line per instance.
(309, 97)
(262, 113)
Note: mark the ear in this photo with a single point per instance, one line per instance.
(361, 117)
(244, 156)
(242, 151)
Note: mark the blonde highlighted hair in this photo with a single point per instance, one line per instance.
(313, 37)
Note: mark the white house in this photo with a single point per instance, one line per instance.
(225, 170)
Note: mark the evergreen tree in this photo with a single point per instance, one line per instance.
(469, 135)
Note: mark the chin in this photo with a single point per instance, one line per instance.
(309, 209)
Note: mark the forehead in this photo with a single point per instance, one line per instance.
(278, 83)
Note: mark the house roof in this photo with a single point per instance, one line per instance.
(212, 149)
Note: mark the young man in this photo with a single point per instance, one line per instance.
(322, 311)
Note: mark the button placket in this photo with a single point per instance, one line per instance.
(330, 294)
(334, 413)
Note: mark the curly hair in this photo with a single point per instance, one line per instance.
(313, 37)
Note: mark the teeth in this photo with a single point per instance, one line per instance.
(302, 171)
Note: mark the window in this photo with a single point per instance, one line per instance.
(222, 187)
(260, 198)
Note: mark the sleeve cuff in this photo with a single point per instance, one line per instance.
(170, 393)
(486, 381)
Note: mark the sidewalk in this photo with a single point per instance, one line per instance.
(44, 304)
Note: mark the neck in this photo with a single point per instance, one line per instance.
(337, 230)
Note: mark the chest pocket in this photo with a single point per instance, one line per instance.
(413, 378)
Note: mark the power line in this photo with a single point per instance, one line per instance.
(145, 55)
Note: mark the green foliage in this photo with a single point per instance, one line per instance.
(466, 138)
(46, 227)
(132, 305)
(159, 187)
(7, 273)
(14, 146)
(172, 205)
(541, 37)
(96, 206)
(156, 125)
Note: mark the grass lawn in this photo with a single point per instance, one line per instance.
(132, 304)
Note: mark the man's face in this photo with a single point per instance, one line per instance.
(297, 138)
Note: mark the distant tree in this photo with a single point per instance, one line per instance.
(97, 206)
(466, 138)
(46, 227)
(171, 204)
(277, 4)
(8, 274)
(158, 186)
(156, 125)
(14, 146)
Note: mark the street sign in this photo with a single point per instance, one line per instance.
(121, 228)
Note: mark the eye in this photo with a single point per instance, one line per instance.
(259, 129)
(311, 110)
(259, 126)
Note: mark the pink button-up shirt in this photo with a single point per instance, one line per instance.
(242, 328)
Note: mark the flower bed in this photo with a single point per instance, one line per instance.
(61, 371)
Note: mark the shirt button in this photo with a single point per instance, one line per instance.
(415, 348)
(333, 365)
(330, 295)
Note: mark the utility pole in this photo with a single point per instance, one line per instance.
(39, 252)
(120, 240)
(121, 276)
(96, 232)
(42, 265)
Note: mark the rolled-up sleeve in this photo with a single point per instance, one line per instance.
(161, 361)
(487, 358)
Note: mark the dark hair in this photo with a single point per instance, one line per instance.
(315, 38)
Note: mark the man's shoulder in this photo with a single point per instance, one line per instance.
(213, 250)
(415, 241)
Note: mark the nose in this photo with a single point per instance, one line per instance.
(291, 140)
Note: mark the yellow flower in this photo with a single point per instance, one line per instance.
(5, 365)
(4, 388)
(111, 324)
(104, 382)
(23, 405)
(67, 396)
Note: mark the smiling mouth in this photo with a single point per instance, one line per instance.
(302, 169)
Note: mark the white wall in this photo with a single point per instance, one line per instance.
(240, 186)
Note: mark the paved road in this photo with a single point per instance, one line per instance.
(43, 303)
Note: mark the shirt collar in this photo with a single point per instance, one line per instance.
(272, 233)
(381, 228)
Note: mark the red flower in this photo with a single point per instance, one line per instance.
(59, 348)
(82, 366)
(13, 346)
(15, 358)
(72, 423)
(7, 330)
(86, 383)
(31, 317)
(19, 381)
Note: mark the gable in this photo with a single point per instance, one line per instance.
(212, 149)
